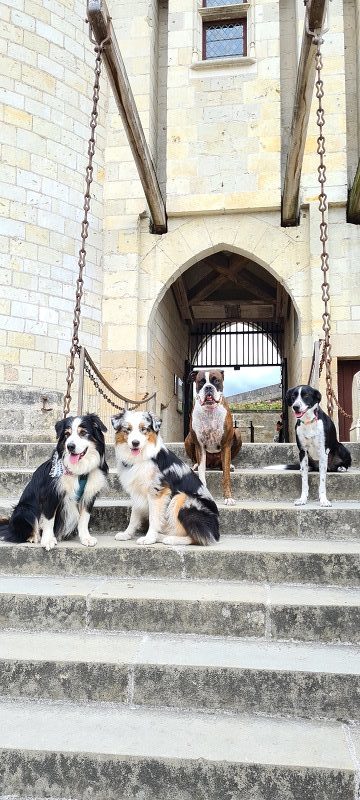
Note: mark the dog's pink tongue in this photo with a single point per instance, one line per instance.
(74, 458)
(135, 451)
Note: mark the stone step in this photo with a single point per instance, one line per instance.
(246, 484)
(249, 518)
(199, 673)
(317, 562)
(276, 612)
(31, 454)
(106, 752)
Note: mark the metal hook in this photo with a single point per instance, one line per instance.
(317, 34)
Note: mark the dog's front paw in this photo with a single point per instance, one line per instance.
(148, 539)
(301, 501)
(232, 468)
(229, 501)
(48, 542)
(325, 503)
(341, 469)
(88, 541)
(123, 536)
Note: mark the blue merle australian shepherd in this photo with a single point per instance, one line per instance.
(167, 496)
(62, 491)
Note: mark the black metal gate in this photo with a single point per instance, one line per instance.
(236, 345)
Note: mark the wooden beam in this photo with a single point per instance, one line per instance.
(301, 111)
(181, 299)
(244, 280)
(206, 287)
(101, 26)
(353, 210)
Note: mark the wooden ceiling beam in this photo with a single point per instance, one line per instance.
(181, 299)
(314, 21)
(102, 27)
(206, 287)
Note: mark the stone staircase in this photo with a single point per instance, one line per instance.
(222, 673)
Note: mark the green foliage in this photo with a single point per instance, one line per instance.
(261, 405)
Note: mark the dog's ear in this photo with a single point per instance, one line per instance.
(155, 421)
(222, 373)
(289, 397)
(118, 419)
(192, 376)
(317, 396)
(61, 425)
(97, 423)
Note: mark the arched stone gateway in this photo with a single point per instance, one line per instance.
(238, 267)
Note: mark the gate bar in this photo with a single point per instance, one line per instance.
(102, 27)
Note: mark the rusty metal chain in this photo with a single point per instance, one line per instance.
(326, 357)
(323, 207)
(75, 348)
(98, 388)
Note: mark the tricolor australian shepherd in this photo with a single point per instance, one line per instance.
(62, 491)
(166, 495)
(316, 439)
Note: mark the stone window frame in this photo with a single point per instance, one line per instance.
(223, 13)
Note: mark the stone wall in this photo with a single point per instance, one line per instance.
(264, 423)
(46, 69)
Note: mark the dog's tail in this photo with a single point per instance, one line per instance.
(345, 455)
(201, 523)
(20, 526)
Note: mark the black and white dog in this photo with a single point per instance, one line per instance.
(166, 494)
(316, 439)
(62, 491)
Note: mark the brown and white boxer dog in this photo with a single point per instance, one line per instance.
(212, 441)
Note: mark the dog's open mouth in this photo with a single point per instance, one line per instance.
(135, 451)
(209, 400)
(74, 458)
(299, 414)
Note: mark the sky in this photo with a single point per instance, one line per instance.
(247, 378)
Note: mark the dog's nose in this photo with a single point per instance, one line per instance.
(135, 444)
(296, 408)
(71, 447)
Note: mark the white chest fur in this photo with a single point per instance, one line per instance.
(137, 480)
(209, 426)
(312, 439)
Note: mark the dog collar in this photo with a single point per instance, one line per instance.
(81, 487)
(126, 465)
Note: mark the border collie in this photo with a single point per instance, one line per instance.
(166, 495)
(62, 491)
(317, 441)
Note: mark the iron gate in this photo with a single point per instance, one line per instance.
(236, 345)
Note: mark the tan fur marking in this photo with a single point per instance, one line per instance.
(121, 437)
(152, 437)
(175, 506)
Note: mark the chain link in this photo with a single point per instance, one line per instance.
(75, 348)
(323, 207)
(326, 357)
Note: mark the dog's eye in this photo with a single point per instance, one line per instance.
(82, 433)
(67, 434)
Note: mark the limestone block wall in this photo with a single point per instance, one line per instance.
(334, 103)
(168, 351)
(224, 147)
(46, 77)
